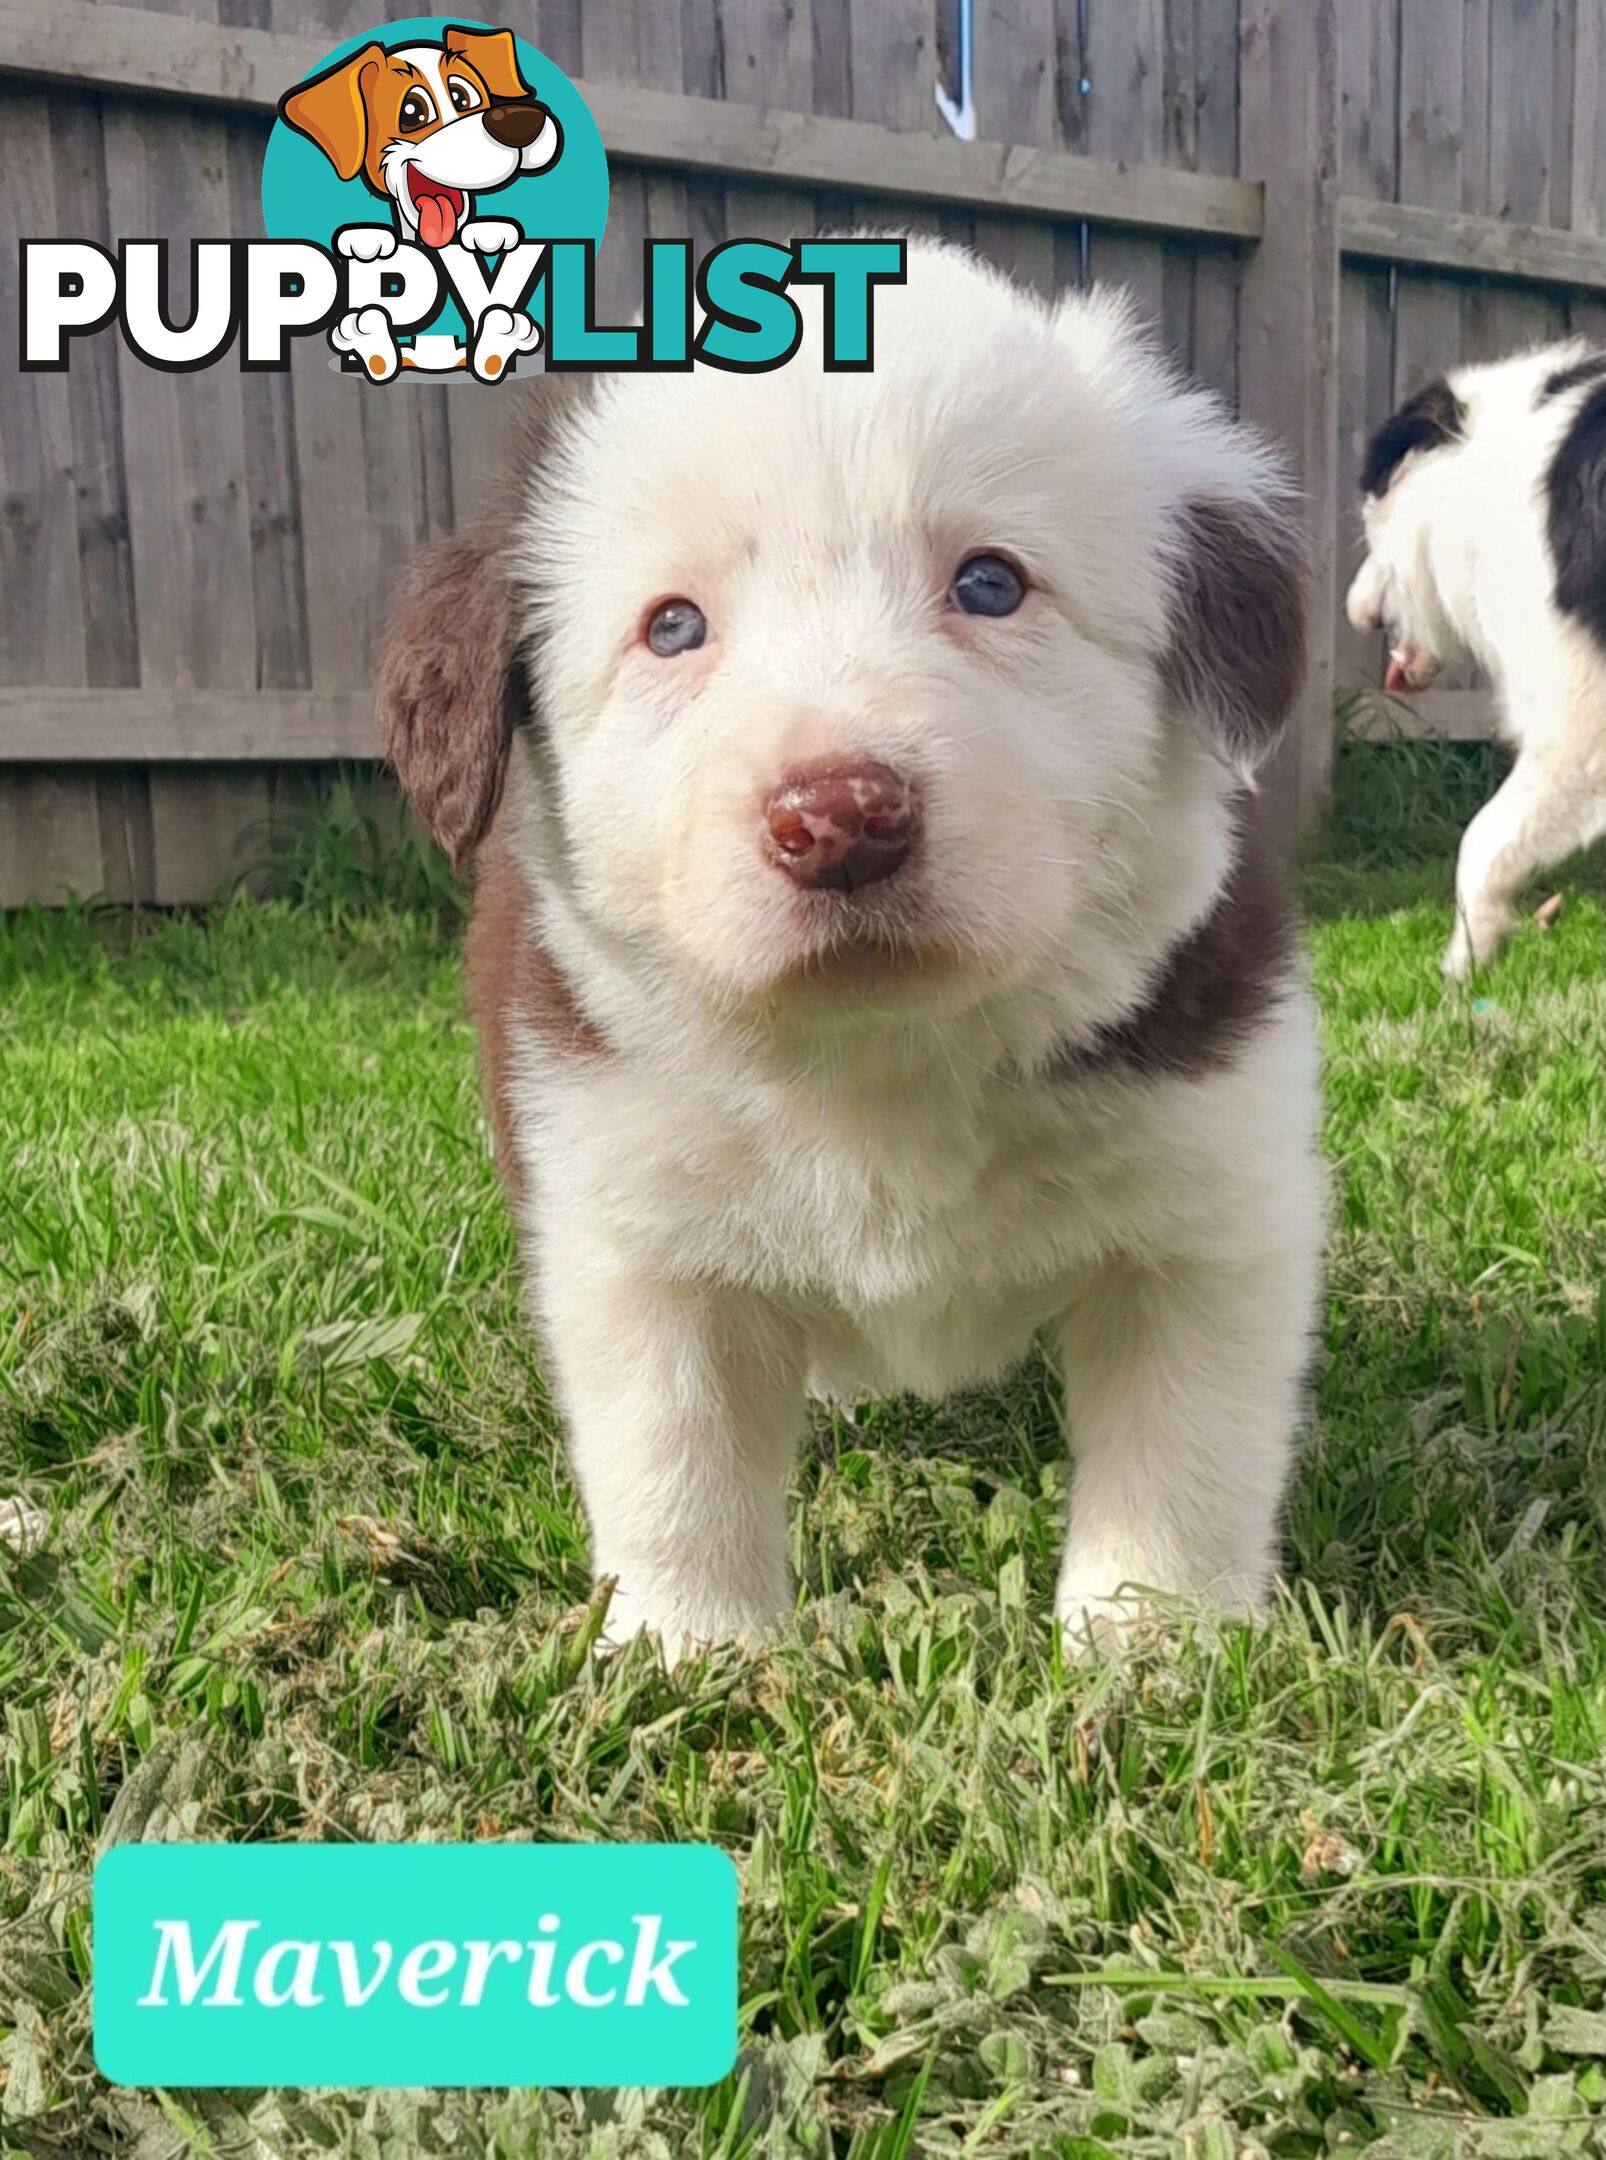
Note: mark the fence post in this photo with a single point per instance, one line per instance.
(1288, 364)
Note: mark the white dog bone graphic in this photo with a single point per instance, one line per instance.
(489, 235)
(365, 243)
(498, 338)
(366, 333)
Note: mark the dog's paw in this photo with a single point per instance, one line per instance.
(367, 335)
(1093, 1627)
(489, 235)
(683, 1627)
(1104, 1610)
(1475, 945)
(499, 338)
(365, 243)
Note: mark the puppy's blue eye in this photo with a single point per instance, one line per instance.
(987, 585)
(677, 626)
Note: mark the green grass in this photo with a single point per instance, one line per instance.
(314, 1568)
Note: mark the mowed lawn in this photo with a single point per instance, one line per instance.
(312, 1568)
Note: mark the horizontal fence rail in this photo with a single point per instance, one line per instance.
(128, 49)
(185, 727)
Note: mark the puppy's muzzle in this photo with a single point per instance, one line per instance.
(837, 827)
(515, 126)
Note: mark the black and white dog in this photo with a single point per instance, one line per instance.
(1485, 517)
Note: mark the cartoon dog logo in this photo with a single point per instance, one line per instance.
(428, 128)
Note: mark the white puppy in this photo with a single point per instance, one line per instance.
(1485, 516)
(873, 957)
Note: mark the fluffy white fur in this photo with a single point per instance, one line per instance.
(791, 1176)
(1458, 570)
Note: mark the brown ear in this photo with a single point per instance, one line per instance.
(1237, 652)
(493, 56)
(332, 111)
(450, 686)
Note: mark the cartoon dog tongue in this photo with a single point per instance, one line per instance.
(437, 219)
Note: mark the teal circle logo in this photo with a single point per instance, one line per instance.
(459, 141)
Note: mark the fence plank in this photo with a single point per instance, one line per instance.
(1123, 60)
(49, 822)
(188, 489)
(1369, 93)
(1495, 247)
(1014, 79)
(1587, 208)
(106, 570)
(768, 53)
(1217, 272)
(1289, 134)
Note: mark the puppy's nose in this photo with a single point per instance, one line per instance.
(836, 827)
(515, 127)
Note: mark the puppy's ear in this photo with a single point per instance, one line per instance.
(332, 111)
(1236, 656)
(450, 685)
(493, 56)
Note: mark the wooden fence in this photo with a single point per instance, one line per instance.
(1317, 201)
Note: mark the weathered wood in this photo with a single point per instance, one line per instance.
(1205, 139)
(1431, 715)
(1456, 240)
(75, 726)
(767, 55)
(49, 821)
(1123, 61)
(1368, 54)
(129, 48)
(1014, 89)
(188, 490)
(1288, 128)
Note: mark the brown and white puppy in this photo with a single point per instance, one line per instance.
(427, 128)
(873, 959)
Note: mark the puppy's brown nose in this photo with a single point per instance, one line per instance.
(515, 127)
(836, 827)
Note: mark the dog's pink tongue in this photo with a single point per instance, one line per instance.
(437, 220)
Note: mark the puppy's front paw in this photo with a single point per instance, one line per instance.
(1474, 944)
(367, 335)
(499, 338)
(685, 1623)
(489, 235)
(1101, 1608)
(365, 243)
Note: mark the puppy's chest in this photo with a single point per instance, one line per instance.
(881, 1211)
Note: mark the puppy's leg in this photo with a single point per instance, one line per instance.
(683, 1405)
(1550, 806)
(1182, 1391)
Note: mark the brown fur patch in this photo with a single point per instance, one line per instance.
(1215, 987)
(1237, 652)
(513, 981)
(441, 693)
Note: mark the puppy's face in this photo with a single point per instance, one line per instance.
(859, 683)
(426, 125)
(1394, 590)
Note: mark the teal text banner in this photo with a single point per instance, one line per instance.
(415, 1964)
